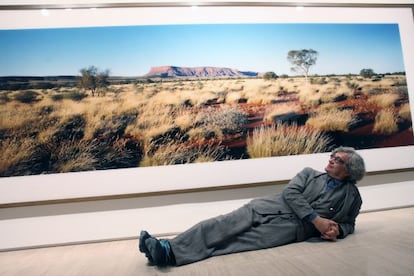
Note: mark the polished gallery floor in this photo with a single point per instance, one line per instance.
(382, 245)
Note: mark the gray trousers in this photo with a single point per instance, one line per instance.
(241, 230)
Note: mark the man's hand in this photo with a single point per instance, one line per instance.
(329, 229)
(331, 234)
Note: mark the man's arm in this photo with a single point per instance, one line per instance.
(341, 229)
(293, 193)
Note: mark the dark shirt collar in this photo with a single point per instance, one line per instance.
(332, 183)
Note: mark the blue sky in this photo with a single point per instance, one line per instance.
(133, 50)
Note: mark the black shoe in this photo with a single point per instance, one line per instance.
(143, 236)
(156, 251)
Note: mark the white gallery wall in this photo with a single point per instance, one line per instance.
(171, 200)
(100, 220)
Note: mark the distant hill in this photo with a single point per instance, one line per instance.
(205, 72)
(49, 82)
(36, 82)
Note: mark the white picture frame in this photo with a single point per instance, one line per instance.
(178, 178)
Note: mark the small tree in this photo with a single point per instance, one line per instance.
(94, 80)
(270, 76)
(302, 60)
(367, 73)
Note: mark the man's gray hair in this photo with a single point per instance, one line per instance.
(355, 163)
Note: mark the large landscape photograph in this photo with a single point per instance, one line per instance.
(99, 98)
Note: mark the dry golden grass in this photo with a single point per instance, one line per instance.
(75, 156)
(15, 151)
(309, 96)
(149, 124)
(280, 140)
(327, 107)
(200, 134)
(145, 111)
(265, 94)
(331, 120)
(385, 122)
(259, 91)
(153, 118)
(97, 111)
(316, 94)
(279, 109)
(174, 153)
(383, 100)
(184, 118)
(10, 119)
(405, 112)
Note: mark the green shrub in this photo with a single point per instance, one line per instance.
(270, 76)
(26, 96)
(4, 97)
(56, 97)
(403, 91)
(75, 96)
(224, 120)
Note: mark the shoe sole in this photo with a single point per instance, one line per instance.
(143, 236)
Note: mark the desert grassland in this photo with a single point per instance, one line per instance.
(280, 139)
(185, 121)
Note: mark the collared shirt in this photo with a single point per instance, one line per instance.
(333, 183)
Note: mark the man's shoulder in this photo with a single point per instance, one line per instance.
(311, 172)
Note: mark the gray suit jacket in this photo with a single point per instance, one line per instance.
(300, 197)
(271, 221)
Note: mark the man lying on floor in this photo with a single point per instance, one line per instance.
(312, 204)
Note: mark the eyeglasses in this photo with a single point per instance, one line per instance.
(337, 159)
